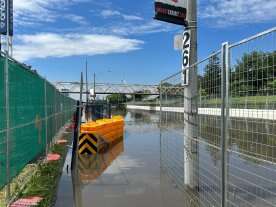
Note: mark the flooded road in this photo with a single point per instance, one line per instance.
(129, 174)
(147, 167)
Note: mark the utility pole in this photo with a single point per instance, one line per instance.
(190, 101)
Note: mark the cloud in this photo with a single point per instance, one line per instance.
(132, 17)
(76, 19)
(110, 13)
(146, 27)
(236, 12)
(30, 12)
(45, 45)
(41, 9)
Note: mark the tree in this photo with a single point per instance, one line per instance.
(254, 74)
(117, 98)
(211, 80)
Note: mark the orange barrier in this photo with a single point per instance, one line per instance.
(90, 168)
(96, 134)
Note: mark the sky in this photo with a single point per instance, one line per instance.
(120, 39)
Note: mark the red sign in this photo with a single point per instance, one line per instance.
(172, 11)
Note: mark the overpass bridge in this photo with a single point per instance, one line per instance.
(107, 88)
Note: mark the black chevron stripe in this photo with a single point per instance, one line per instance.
(90, 144)
(94, 137)
(86, 151)
(81, 137)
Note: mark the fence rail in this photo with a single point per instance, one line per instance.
(32, 111)
(233, 156)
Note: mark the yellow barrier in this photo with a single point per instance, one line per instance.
(104, 131)
(88, 143)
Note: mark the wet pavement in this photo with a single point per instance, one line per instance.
(129, 174)
(147, 167)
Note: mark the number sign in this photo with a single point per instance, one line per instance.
(186, 56)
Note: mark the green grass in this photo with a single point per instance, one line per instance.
(45, 181)
(248, 102)
(251, 102)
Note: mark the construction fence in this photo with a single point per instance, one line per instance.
(229, 155)
(32, 111)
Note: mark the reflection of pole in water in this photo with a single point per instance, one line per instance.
(76, 188)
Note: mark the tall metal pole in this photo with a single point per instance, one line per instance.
(7, 104)
(160, 102)
(94, 86)
(81, 105)
(75, 177)
(224, 118)
(46, 116)
(190, 100)
(86, 90)
(86, 77)
(11, 46)
(79, 121)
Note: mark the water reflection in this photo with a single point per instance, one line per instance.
(148, 167)
(251, 160)
(90, 168)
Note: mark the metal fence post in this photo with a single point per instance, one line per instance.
(55, 102)
(7, 103)
(160, 103)
(79, 118)
(46, 116)
(224, 120)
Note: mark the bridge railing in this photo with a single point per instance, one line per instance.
(32, 111)
(236, 113)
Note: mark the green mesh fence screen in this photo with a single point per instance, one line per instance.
(36, 110)
(2, 125)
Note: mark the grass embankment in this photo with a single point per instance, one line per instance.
(249, 102)
(44, 182)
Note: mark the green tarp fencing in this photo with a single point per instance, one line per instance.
(33, 101)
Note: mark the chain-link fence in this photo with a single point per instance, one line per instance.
(230, 158)
(252, 139)
(31, 112)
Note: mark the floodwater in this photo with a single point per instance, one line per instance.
(147, 167)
